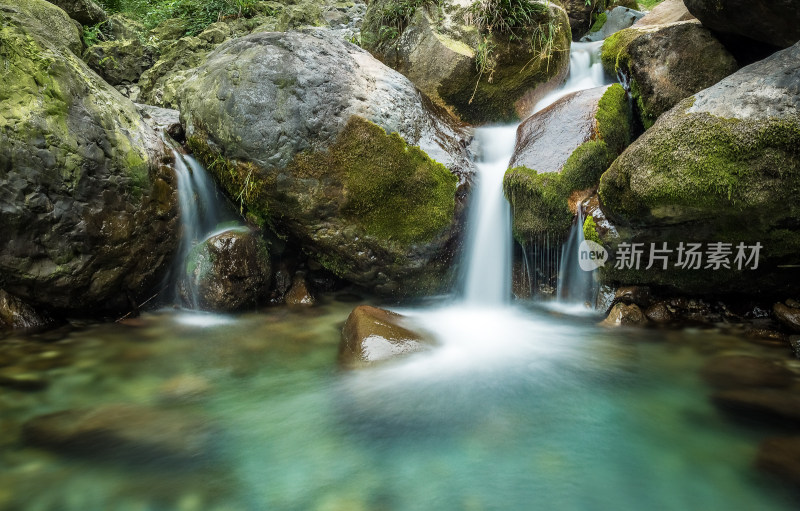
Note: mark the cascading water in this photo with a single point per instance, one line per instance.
(575, 285)
(585, 72)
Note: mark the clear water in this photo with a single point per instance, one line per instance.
(515, 409)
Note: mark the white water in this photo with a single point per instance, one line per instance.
(585, 72)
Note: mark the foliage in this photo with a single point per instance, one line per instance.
(506, 16)
(95, 33)
(648, 4)
(599, 22)
(590, 230)
(395, 16)
(198, 14)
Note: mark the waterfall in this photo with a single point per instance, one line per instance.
(585, 72)
(487, 279)
(575, 285)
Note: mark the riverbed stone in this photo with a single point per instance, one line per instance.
(442, 53)
(85, 12)
(776, 22)
(352, 163)
(89, 212)
(762, 405)
(659, 313)
(720, 167)
(560, 150)
(666, 63)
(298, 294)
(789, 316)
(125, 433)
(741, 371)
(227, 272)
(780, 456)
(372, 335)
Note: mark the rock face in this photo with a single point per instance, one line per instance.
(775, 22)
(480, 75)
(561, 149)
(317, 139)
(373, 335)
(87, 209)
(85, 12)
(722, 166)
(227, 272)
(668, 11)
(666, 63)
(124, 433)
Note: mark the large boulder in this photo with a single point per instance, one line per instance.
(227, 271)
(775, 22)
(120, 61)
(580, 14)
(723, 166)
(372, 335)
(668, 11)
(562, 149)
(666, 63)
(87, 206)
(467, 60)
(85, 12)
(317, 138)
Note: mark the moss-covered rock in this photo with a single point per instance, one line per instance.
(45, 20)
(570, 144)
(666, 63)
(85, 12)
(119, 61)
(314, 137)
(722, 166)
(227, 272)
(89, 210)
(479, 74)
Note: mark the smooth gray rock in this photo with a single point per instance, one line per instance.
(619, 18)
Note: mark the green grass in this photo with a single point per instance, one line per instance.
(648, 4)
(198, 14)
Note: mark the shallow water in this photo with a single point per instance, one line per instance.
(516, 408)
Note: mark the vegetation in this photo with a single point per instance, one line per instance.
(395, 15)
(648, 4)
(198, 14)
(599, 22)
(590, 230)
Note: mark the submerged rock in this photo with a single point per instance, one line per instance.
(740, 371)
(88, 210)
(315, 137)
(562, 149)
(373, 335)
(479, 74)
(780, 456)
(126, 433)
(776, 22)
(666, 63)
(721, 167)
(227, 271)
(760, 405)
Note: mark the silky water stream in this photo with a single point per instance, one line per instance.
(516, 408)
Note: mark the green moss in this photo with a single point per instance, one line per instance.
(614, 119)
(393, 190)
(538, 203)
(614, 53)
(585, 166)
(599, 22)
(590, 230)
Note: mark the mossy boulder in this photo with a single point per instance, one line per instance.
(121, 27)
(479, 75)
(88, 216)
(45, 20)
(562, 149)
(121, 61)
(85, 12)
(227, 272)
(721, 166)
(776, 22)
(316, 138)
(372, 335)
(666, 63)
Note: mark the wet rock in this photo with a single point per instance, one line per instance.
(767, 405)
(163, 119)
(14, 313)
(187, 388)
(666, 63)
(737, 371)
(668, 11)
(780, 456)
(766, 337)
(227, 272)
(560, 150)
(617, 19)
(298, 294)
(625, 315)
(640, 295)
(659, 313)
(85, 12)
(744, 131)
(440, 55)
(792, 303)
(337, 162)
(90, 213)
(580, 16)
(125, 433)
(121, 61)
(769, 21)
(789, 316)
(794, 342)
(20, 378)
(373, 335)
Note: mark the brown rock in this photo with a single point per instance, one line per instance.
(14, 313)
(761, 405)
(373, 335)
(625, 315)
(668, 11)
(789, 316)
(780, 456)
(124, 432)
(743, 371)
(659, 313)
(640, 295)
(298, 294)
